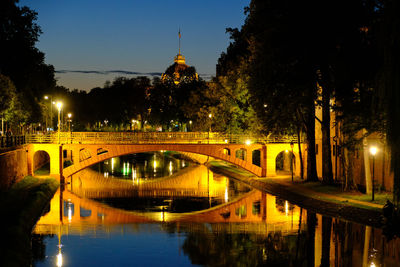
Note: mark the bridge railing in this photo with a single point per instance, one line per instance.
(11, 141)
(152, 138)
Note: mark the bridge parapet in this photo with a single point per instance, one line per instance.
(153, 138)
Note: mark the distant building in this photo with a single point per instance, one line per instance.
(179, 71)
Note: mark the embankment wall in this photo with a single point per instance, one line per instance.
(13, 167)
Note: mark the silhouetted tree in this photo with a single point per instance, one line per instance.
(20, 59)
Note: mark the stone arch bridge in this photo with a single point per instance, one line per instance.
(84, 149)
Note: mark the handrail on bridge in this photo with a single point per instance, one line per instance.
(11, 141)
(152, 138)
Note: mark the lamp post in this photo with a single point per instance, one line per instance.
(210, 116)
(59, 106)
(69, 121)
(372, 151)
(291, 159)
(51, 110)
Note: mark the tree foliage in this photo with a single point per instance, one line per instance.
(20, 60)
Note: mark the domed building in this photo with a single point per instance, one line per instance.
(179, 71)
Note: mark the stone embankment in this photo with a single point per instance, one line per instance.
(13, 167)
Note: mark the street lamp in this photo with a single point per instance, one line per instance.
(373, 150)
(59, 106)
(291, 159)
(210, 116)
(51, 110)
(69, 121)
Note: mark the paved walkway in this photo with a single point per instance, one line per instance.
(294, 187)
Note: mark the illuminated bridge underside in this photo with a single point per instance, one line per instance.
(96, 153)
(193, 181)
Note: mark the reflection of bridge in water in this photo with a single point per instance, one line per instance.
(193, 181)
(253, 211)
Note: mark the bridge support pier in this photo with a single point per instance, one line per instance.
(263, 162)
(61, 164)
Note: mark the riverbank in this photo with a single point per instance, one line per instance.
(21, 206)
(314, 197)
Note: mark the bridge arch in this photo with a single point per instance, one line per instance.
(52, 150)
(41, 158)
(84, 156)
(283, 161)
(273, 152)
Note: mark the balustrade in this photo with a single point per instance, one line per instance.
(153, 138)
(11, 141)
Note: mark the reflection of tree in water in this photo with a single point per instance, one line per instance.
(326, 240)
(38, 247)
(205, 246)
(237, 187)
(344, 235)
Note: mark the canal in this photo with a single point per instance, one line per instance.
(154, 209)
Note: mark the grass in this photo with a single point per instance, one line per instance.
(380, 197)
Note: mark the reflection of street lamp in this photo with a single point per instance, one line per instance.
(291, 159)
(59, 106)
(372, 151)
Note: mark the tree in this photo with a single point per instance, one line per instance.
(169, 97)
(390, 85)
(20, 60)
(227, 99)
(12, 109)
(283, 77)
(7, 93)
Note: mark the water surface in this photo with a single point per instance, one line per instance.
(187, 215)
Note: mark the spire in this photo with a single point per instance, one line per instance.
(179, 58)
(179, 34)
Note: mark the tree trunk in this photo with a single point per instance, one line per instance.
(327, 176)
(310, 131)
(391, 42)
(300, 153)
(348, 155)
